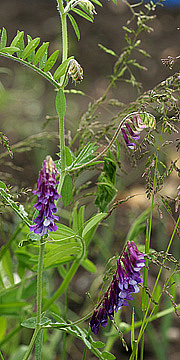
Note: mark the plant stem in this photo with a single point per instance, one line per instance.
(61, 120)
(39, 280)
(65, 318)
(1, 356)
(145, 320)
(64, 284)
(39, 299)
(64, 29)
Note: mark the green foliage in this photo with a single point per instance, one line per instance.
(106, 190)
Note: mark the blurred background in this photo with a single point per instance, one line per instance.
(27, 99)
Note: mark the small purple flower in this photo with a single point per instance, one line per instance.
(125, 282)
(47, 194)
(94, 323)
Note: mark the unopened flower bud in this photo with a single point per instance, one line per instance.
(75, 71)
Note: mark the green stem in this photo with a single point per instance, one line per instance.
(85, 349)
(39, 299)
(1, 356)
(64, 284)
(64, 29)
(31, 345)
(61, 120)
(39, 280)
(145, 320)
(65, 318)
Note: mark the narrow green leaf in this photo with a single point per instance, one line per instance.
(61, 253)
(108, 356)
(93, 222)
(40, 52)
(38, 346)
(30, 47)
(9, 50)
(83, 14)
(20, 46)
(68, 156)
(134, 346)
(3, 38)
(60, 104)
(74, 25)
(98, 344)
(89, 266)
(138, 226)
(7, 265)
(96, 2)
(63, 232)
(31, 322)
(108, 51)
(43, 60)
(66, 191)
(80, 220)
(17, 39)
(3, 327)
(32, 55)
(60, 71)
(51, 61)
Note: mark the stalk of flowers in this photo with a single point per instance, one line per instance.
(124, 283)
(47, 194)
(134, 125)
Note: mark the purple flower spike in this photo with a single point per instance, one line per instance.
(47, 194)
(134, 125)
(124, 283)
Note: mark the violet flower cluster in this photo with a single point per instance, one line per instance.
(125, 282)
(47, 194)
(134, 125)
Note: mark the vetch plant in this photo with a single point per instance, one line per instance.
(53, 240)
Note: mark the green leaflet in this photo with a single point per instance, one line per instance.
(91, 226)
(75, 26)
(66, 191)
(15, 42)
(82, 14)
(88, 265)
(108, 356)
(30, 47)
(60, 71)
(40, 52)
(51, 61)
(31, 322)
(61, 104)
(3, 38)
(9, 50)
(7, 266)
